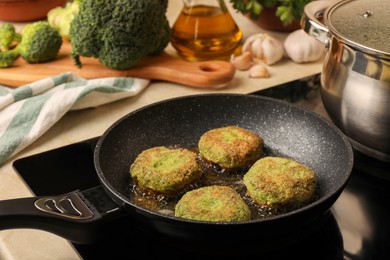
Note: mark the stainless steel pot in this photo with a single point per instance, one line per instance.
(355, 77)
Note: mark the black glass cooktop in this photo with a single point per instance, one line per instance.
(357, 226)
(71, 168)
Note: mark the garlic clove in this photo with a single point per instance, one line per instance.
(247, 46)
(273, 51)
(242, 62)
(259, 71)
(257, 50)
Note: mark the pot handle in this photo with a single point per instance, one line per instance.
(76, 216)
(313, 14)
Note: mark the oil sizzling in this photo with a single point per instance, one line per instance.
(212, 175)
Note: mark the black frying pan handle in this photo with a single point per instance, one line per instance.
(72, 216)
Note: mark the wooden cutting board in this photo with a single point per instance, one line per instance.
(203, 74)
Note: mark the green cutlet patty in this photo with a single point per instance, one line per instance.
(213, 203)
(230, 147)
(279, 182)
(165, 170)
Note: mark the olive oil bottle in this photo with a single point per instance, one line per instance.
(205, 30)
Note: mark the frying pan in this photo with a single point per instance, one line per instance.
(286, 129)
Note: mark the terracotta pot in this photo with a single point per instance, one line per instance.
(27, 10)
(269, 21)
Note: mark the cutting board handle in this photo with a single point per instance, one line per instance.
(213, 73)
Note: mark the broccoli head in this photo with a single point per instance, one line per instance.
(60, 17)
(40, 42)
(8, 35)
(119, 33)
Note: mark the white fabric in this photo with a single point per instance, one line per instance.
(29, 111)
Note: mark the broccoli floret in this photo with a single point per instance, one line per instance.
(40, 42)
(8, 57)
(61, 17)
(8, 35)
(119, 33)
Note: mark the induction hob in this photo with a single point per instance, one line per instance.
(365, 236)
(71, 168)
(358, 225)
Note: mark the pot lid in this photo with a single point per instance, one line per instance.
(364, 23)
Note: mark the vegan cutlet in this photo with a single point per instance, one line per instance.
(277, 182)
(213, 203)
(165, 170)
(230, 147)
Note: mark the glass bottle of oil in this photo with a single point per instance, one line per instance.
(205, 30)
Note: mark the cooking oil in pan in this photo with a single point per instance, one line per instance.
(205, 30)
(212, 175)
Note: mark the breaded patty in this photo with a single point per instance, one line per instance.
(213, 203)
(279, 182)
(165, 170)
(230, 147)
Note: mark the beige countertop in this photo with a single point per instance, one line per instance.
(84, 124)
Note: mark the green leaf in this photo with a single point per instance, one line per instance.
(287, 10)
(285, 15)
(257, 8)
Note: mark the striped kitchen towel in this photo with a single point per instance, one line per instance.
(29, 111)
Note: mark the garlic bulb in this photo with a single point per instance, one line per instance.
(301, 47)
(264, 48)
(242, 62)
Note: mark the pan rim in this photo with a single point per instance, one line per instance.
(330, 198)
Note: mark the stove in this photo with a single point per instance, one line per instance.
(357, 226)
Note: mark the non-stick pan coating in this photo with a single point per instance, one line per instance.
(286, 130)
